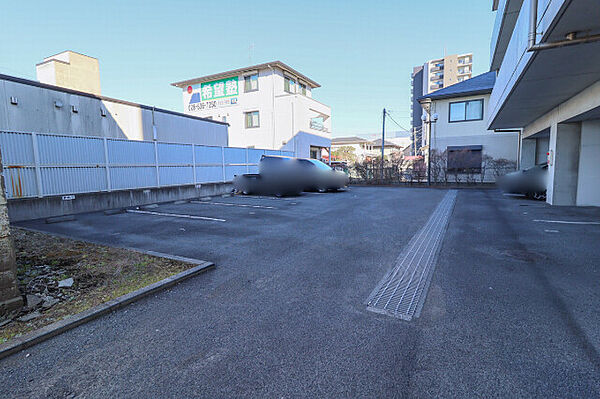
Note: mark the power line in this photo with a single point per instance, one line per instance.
(397, 124)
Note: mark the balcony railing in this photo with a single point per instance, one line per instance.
(318, 126)
(516, 55)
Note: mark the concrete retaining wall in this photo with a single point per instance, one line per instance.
(37, 208)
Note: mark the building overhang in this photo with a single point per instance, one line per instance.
(506, 18)
(532, 83)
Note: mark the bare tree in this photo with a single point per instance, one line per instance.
(438, 166)
(502, 166)
(486, 162)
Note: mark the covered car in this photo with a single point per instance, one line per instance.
(531, 182)
(319, 176)
(278, 175)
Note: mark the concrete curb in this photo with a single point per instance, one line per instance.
(25, 341)
(60, 219)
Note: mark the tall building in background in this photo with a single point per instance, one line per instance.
(70, 70)
(434, 75)
(416, 91)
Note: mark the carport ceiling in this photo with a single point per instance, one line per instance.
(553, 76)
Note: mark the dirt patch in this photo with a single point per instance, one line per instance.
(59, 277)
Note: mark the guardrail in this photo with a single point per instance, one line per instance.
(43, 164)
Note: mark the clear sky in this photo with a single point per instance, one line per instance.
(361, 52)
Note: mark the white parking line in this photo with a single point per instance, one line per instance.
(265, 197)
(565, 222)
(231, 204)
(175, 215)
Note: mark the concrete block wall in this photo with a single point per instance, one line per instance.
(21, 209)
(10, 297)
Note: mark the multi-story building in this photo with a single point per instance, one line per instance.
(547, 58)
(444, 72)
(416, 91)
(71, 70)
(267, 106)
(434, 75)
(459, 135)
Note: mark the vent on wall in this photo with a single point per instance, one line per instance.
(58, 104)
(102, 112)
(74, 109)
(14, 100)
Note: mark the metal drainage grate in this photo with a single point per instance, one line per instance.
(401, 293)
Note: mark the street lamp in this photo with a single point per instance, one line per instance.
(428, 119)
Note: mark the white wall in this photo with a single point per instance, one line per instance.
(564, 145)
(36, 112)
(588, 184)
(566, 150)
(445, 133)
(282, 115)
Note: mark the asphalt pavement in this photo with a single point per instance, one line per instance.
(512, 310)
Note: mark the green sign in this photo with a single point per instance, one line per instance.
(219, 89)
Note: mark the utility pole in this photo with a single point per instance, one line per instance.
(382, 141)
(429, 151)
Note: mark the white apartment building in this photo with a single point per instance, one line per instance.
(266, 106)
(546, 54)
(460, 129)
(444, 72)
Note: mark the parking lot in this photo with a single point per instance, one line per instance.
(512, 309)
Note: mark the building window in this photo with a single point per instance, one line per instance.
(464, 159)
(466, 111)
(302, 87)
(252, 119)
(251, 83)
(289, 85)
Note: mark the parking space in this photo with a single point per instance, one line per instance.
(284, 312)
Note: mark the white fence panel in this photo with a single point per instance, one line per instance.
(176, 175)
(48, 164)
(68, 150)
(175, 154)
(19, 181)
(209, 174)
(67, 180)
(18, 161)
(17, 149)
(125, 152)
(130, 177)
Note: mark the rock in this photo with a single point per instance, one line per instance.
(33, 301)
(30, 316)
(205, 199)
(68, 282)
(4, 322)
(49, 302)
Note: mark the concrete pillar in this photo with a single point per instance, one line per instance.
(10, 297)
(541, 149)
(588, 185)
(564, 165)
(528, 147)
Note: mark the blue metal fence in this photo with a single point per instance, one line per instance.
(38, 165)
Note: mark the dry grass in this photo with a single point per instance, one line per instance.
(100, 274)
